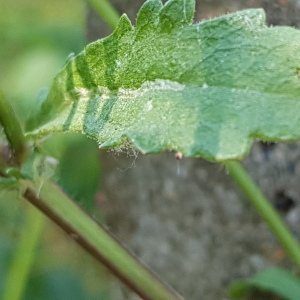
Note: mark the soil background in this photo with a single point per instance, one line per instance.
(186, 219)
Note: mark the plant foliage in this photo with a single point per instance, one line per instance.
(205, 89)
(275, 280)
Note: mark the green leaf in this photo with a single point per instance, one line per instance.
(275, 280)
(204, 89)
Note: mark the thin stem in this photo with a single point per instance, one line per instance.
(13, 129)
(24, 256)
(106, 11)
(265, 209)
(97, 241)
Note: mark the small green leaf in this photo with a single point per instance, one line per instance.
(204, 89)
(277, 281)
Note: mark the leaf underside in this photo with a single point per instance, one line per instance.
(204, 89)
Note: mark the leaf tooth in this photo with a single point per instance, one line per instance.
(123, 26)
(176, 13)
(148, 15)
(253, 19)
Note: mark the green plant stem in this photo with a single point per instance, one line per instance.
(106, 11)
(13, 129)
(97, 241)
(265, 209)
(24, 256)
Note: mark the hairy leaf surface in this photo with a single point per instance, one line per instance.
(204, 89)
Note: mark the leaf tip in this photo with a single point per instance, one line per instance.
(252, 18)
(148, 15)
(123, 26)
(176, 13)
